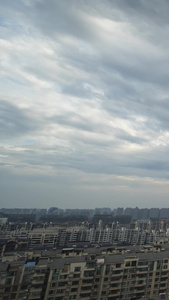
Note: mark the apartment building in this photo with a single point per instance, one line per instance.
(109, 277)
(89, 274)
(53, 235)
(19, 280)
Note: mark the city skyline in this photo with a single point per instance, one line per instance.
(84, 103)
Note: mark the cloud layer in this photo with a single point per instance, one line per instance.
(84, 103)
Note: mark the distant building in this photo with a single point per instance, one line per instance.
(3, 220)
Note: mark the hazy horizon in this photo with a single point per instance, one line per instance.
(84, 103)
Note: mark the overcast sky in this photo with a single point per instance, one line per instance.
(84, 103)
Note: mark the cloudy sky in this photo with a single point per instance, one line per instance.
(84, 103)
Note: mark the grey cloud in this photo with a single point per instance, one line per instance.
(127, 83)
(13, 121)
(132, 139)
(73, 121)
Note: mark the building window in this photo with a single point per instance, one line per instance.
(74, 290)
(107, 271)
(77, 269)
(75, 282)
(76, 276)
(63, 276)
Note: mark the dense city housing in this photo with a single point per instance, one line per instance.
(92, 259)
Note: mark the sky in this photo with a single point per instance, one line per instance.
(84, 103)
